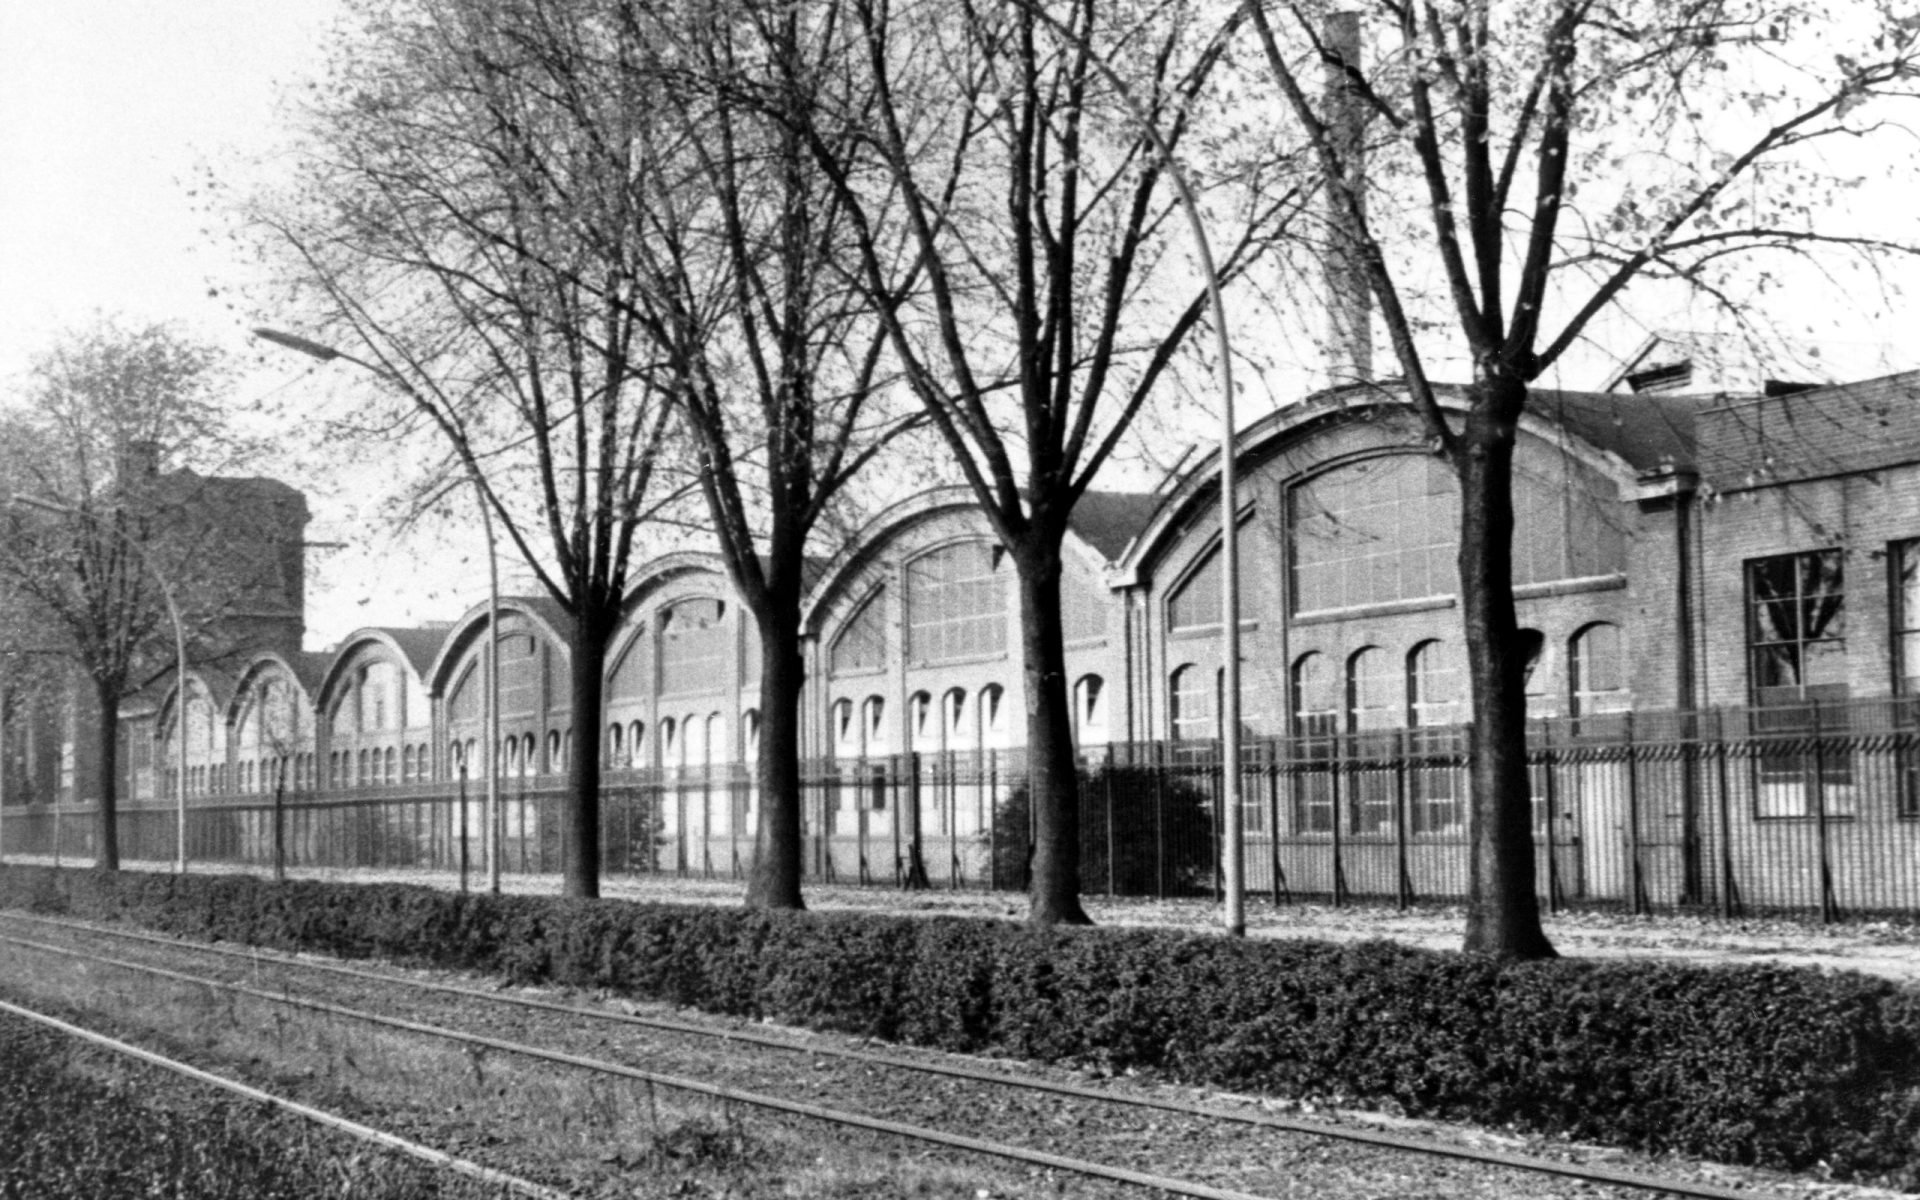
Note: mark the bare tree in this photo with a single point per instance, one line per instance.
(776, 360)
(455, 232)
(1027, 150)
(97, 535)
(1541, 160)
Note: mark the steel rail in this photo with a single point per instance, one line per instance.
(727, 1095)
(366, 1133)
(1388, 1141)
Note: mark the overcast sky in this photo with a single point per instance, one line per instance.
(108, 110)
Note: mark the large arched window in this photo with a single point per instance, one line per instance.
(957, 603)
(1372, 532)
(862, 644)
(693, 647)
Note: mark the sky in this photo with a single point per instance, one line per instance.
(109, 109)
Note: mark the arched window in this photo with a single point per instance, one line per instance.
(555, 764)
(362, 775)
(846, 735)
(1372, 532)
(1090, 711)
(669, 742)
(693, 733)
(750, 735)
(457, 757)
(1192, 709)
(1433, 686)
(693, 647)
(955, 719)
(862, 644)
(1597, 661)
(1434, 706)
(993, 717)
(957, 603)
(637, 743)
(529, 751)
(873, 719)
(1373, 704)
(407, 765)
(615, 753)
(922, 733)
(393, 766)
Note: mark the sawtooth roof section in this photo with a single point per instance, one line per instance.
(1762, 441)
(1647, 431)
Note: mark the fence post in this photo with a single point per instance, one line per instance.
(1829, 910)
(1273, 823)
(1404, 887)
(1106, 789)
(1637, 901)
(1552, 810)
(916, 876)
(1337, 884)
(463, 828)
(279, 822)
(1729, 896)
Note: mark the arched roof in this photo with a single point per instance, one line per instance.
(540, 611)
(1619, 435)
(1103, 523)
(306, 670)
(413, 648)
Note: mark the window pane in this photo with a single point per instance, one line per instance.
(957, 604)
(693, 648)
(862, 645)
(1373, 531)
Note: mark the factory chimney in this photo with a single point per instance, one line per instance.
(1349, 296)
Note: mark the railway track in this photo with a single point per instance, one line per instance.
(1130, 1136)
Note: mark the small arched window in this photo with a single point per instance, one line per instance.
(1371, 699)
(873, 719)
(1597, 662)
(846, 735)
(1433, 686)
(1090, 710)
(1192, 713)
(955, 719)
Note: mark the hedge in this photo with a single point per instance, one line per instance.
(1767, 1065)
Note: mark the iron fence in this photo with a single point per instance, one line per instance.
(1809, 809)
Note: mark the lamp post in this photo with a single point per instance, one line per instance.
(1234, 919)
(180, 665)
(490, 667)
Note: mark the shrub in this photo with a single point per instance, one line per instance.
(1756, 1064)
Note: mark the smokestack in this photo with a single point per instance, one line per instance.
(1349, 297)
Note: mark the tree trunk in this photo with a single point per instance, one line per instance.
(1053, 780)
(580, 854)
(775, 882)
(1503, 914)
(107, 731)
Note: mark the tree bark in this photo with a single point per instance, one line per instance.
(1053, 778)
(1503, 913)
(580, 855)
(107, 732)
(775, 881)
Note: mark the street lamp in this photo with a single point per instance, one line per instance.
(1235, 917)
(180, 663)
(325, 353)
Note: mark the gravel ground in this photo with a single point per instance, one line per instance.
(1261, 1161)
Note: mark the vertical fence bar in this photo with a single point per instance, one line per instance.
(1637, 896)
(1729, 896)
(1551, 801)
(1403, 888)
(1829, 911)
